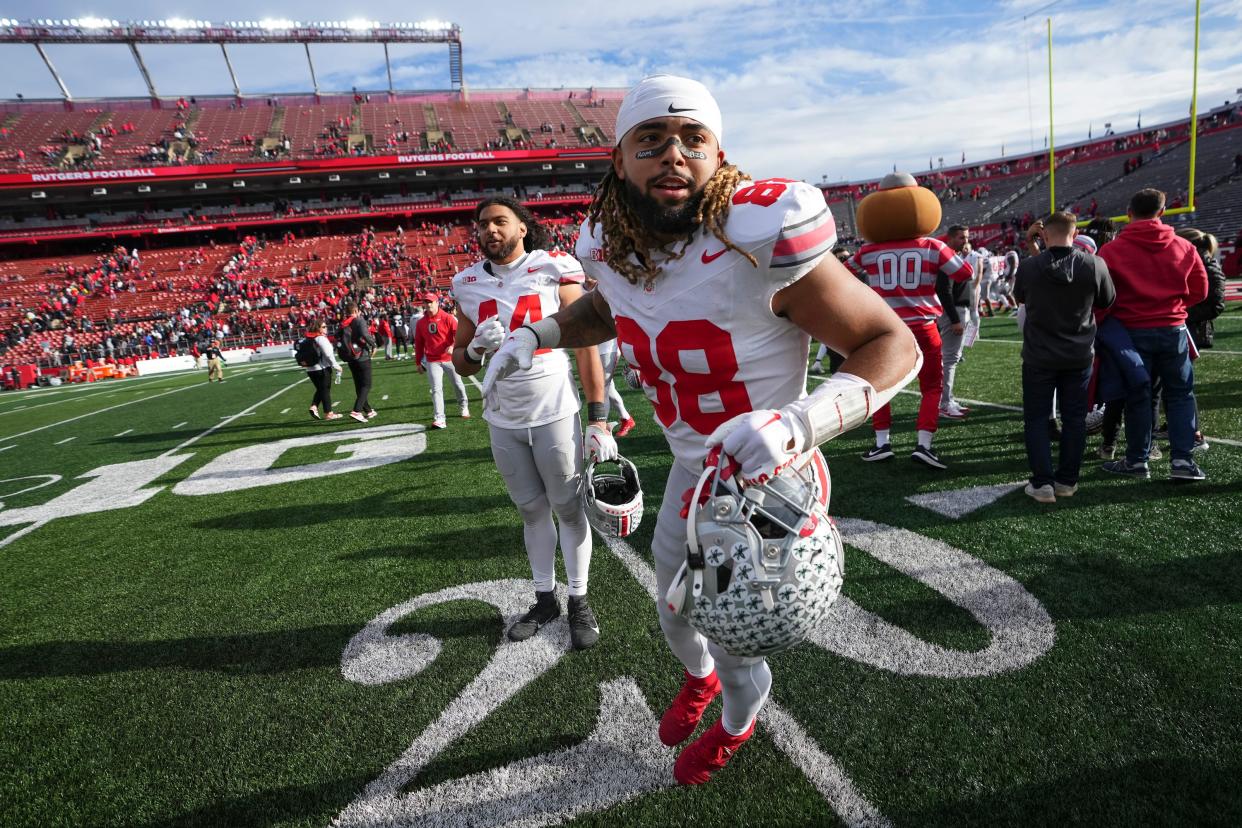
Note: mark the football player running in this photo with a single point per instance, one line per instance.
(713, 285)
(532, 414)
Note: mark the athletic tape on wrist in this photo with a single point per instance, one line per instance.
(843, 402)
(474, 356)
(596, 412)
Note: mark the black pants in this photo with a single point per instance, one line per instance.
(322, 380)
(361, 372)
(1070, 385)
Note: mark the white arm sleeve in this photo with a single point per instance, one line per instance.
(843, 402)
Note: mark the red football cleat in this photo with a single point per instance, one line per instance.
(625, 427)
(708, 754)
(683, 715)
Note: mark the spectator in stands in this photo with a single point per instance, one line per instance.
(356, 345)
(1060, 289)
(322, 373)
(1158, 276)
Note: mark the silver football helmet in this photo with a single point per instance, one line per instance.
(614, 501)
(763, 564)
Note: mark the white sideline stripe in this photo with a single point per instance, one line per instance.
(123, 433)
(66, 440)
(1212, 439)
(6, 448)
(14, 396)
(833, 784)
(476, 382)
(100, 411)
(285, 411)
(180, 424)
(228, 420)
(95, 392)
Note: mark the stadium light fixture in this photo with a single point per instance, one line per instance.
(359, 25)
(93, 23)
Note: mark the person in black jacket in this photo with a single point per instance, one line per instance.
(356, 345)
(1200, 318)
(1061, 287)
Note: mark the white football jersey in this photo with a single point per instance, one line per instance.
(704, 338)
(520, 293)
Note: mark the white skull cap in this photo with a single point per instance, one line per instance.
(658, 96)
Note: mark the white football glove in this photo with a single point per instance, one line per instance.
(600, 444)
(516, 353)
(487, 338)
(764, 442)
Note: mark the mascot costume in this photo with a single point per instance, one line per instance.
(911, 273)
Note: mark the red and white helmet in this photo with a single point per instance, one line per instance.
(614, 501)
(763, 565)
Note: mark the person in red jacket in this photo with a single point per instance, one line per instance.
(433, 355)
(1158, 276)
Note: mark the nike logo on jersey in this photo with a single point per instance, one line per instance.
(533, 269)
(713, 257)
(673, 110)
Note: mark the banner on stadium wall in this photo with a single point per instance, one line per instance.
(309, 165)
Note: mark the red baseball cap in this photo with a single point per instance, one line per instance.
(431, 297)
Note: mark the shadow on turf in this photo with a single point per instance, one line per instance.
(1165, 791)
(469, 544)
(277, 651)
(373, 506)
(318, 802)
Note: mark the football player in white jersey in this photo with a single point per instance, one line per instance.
(713, 285)
(532, 415)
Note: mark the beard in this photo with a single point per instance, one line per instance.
(677, 220)
(505, 251)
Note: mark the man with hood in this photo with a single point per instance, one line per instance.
(1061, 288)
(1158, 276)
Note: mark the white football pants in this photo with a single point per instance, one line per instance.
(435, 377)
(744, 681)
(542, 469)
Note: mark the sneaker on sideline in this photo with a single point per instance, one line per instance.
(1186, 470)
(927, 456)
(359, 416)
(1123, 468)
(1062, 490)
(1041, 494)
(874, 453)
(953, 411)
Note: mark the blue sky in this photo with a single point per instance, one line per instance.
(808, 89)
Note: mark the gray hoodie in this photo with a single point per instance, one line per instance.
(1061, 288)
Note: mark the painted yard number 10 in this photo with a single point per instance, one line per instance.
(904, 270)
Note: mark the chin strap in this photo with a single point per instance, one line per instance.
(843, 402)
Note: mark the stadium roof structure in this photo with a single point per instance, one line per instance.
(132, 33)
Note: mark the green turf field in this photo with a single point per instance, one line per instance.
(195, 626)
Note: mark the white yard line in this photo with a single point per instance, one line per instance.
(180, 424)
(228, 420)
(66, 440)
(6, 448)
(100, 411)
(123, 433)
(285, 411)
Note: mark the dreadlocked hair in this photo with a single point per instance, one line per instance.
(626, 241)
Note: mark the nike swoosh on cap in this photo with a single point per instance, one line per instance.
(673, 109)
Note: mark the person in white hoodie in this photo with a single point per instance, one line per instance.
(319, 373)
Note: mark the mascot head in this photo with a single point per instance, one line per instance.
(899, 210)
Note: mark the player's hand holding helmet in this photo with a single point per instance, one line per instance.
(614, 501)
(764, 563)
(763, 443)
(601, 446)
(632, 379)
(487, 338)
(515, 354)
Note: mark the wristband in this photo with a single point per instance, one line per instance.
(596, 412)
(547, 332)
(471, 358)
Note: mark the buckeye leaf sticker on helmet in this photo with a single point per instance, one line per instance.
(763, 566)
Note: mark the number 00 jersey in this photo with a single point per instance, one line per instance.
(704, 338)
(525, 291)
